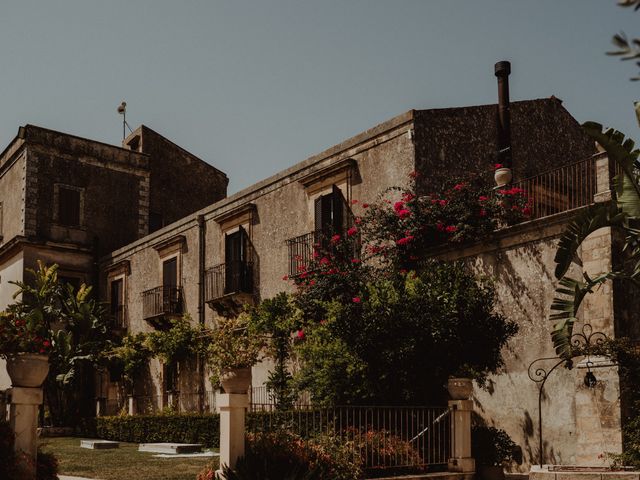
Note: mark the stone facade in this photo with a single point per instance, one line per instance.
(191, 249)
(70, 201)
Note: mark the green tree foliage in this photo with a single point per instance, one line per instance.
(402, 336)
(622, 213)
(276, 319)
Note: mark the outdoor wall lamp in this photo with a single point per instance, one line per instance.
(590, 380)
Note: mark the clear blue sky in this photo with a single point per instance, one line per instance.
(255, 86)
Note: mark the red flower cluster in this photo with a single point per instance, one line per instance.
(404, 240)
(512, 191)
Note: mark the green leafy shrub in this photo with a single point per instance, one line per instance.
(12, 466)
(284, 456)
(179, 428)
(491, 446)
(390, 452)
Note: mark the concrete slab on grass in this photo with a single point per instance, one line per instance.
(67, 477)
(170, 448)
(99, 444)
(187, 455)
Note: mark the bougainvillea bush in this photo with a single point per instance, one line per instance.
(373, 308)
(402, 224)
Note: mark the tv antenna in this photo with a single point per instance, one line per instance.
(122, 110)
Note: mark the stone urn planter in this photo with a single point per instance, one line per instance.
(460, 388)
(236, 380)
(502, 176)
(27, 369)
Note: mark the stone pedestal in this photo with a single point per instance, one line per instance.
(461, 459)
(232, 408)
(101, 404)
(24, 422)
(131, 405)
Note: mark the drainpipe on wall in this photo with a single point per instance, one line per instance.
(503, 174)
(202, 230)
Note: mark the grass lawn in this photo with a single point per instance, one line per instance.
(124, 463)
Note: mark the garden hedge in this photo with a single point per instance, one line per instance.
(178, 428)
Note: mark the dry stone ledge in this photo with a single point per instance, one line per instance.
(171, 448)
(99, 444)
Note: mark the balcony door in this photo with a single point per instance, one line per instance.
(235, 253)
(170, 292)
(330, 216)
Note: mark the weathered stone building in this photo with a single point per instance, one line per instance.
(236, 250)
(70, 201)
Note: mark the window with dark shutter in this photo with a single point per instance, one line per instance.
(117, 301)
(330, 212)
(235, 259)
(68, 207)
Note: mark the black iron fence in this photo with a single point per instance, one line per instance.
(163, 300)
(382, 438)
(563, 188)
(228, 278)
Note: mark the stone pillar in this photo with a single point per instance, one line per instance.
(603, 181)
(24, 422)
(232, 408)
(461, 459)
(100, 406)
(131, 405)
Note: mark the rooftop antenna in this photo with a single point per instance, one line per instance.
(122, 110)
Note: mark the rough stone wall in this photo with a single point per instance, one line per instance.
(110, 201)
(13, 180)
(462, 142)
(284, 209)
(180, 183)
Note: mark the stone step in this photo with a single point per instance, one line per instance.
(170, 447)
(99, 444)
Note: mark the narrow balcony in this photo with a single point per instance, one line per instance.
(304, 249)
(159, 304)
(229, 286)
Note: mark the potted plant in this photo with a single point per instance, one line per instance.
(234, 349)
(460, 383)
(26, 327)
(493, 450)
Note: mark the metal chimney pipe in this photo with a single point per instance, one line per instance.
(502, 71)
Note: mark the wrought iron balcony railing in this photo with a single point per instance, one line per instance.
(228, 278)
(163, 300)
(318, 242)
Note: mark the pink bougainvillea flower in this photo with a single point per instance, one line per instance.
(399, 205)
(300, 334)
(312, 283)
(440, 227)
(526, 211)
(482, 198)
(404, 240)
(407, 197)
(459, 186)
(365, 205)
(301, 268)
(304, 274)
(498, 165)
(352, 231)
(356, 300)
(355, 260)
(414, 174)
(354, 201)
(443, 203)
(404, 213)
(285, 278)
(335, 239)
(324, 261)
(46, 343)
(451, 228)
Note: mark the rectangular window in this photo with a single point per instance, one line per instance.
(236, 273)
(68, 207)
(331, 212)
(117, 301)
